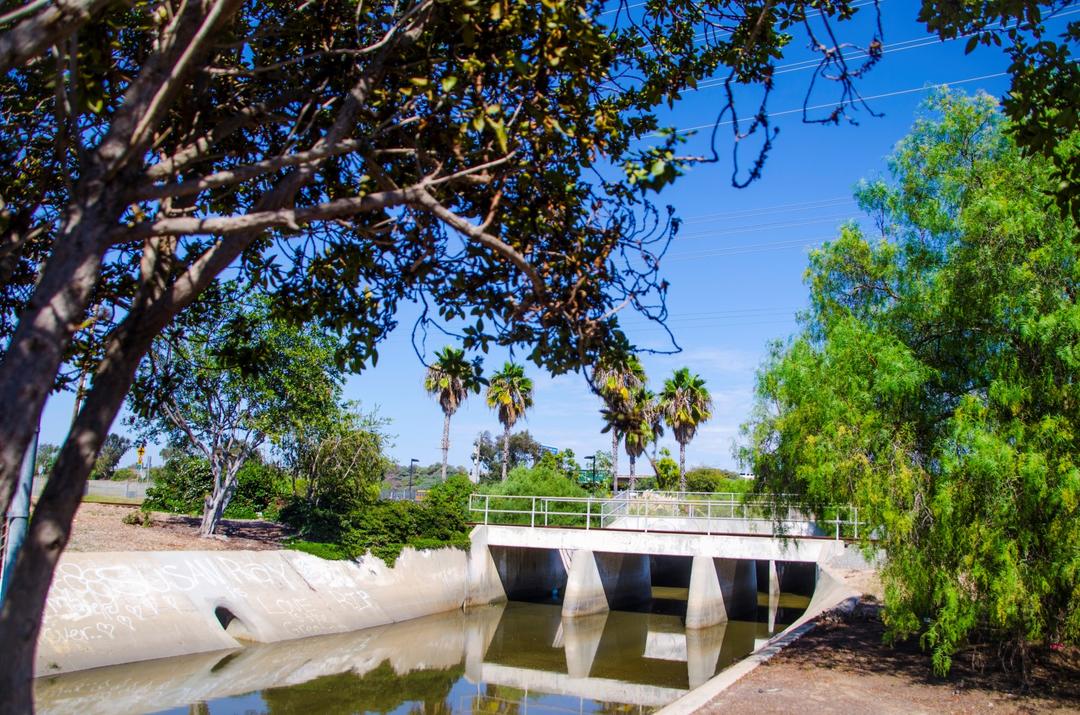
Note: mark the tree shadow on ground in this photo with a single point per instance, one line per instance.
(266, 533)
(854, 643)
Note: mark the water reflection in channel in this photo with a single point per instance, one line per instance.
(509, 658)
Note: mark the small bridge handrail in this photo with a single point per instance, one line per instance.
(643, 512)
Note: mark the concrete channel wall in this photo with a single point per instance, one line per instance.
(122, 607)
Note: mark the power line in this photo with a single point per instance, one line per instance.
(762, 227)
(764, 210)
(767, 247)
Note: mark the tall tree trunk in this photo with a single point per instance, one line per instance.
(216, 504)
(50, 526)
(506, 451)
(682, 466)
(633, 480)
(46, 327)
(614, 461)
(445, 443)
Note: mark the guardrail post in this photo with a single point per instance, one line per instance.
(646, 516)
(532, 513)
(708, 516)
(588, 513)
(487, 504)
(547, 508)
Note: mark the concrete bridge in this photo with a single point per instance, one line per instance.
(598, 555)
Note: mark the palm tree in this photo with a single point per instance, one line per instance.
(450, 380)
(685, 404)
(511, 393)
(616, 378)
(637, 420)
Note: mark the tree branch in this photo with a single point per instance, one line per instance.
(430, 204)
(34, 35)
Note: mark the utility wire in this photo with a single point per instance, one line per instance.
(764, 210)
(762, 227)
(767, 247)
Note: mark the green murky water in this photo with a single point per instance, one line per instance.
(510, 658)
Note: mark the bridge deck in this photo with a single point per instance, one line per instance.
(664, 543)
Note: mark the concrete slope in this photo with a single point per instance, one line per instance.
(120, 607)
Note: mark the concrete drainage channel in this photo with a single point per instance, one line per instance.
(117, 608)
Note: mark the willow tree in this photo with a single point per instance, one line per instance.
(685, 404)
(449, 380)
(510, 393)
(935, 387)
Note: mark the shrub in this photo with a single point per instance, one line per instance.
(138, 517)
(710, 479)
(185, 480)
(125, 474)
(545, 479)
(384, 528)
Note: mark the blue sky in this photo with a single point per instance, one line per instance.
(735, 270)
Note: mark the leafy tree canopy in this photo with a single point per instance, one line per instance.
(112, 451)
(934, 386)
(524, 450)
(229, 378)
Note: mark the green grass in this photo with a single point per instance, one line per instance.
(128, 501)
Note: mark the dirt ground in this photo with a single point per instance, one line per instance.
(841, 666)
(100, 527)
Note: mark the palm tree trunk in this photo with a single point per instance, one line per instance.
(445, 443)
(614, 461)
(682, 466)
(506, 451)
(632, 478)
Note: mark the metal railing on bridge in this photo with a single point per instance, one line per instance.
(707, 513)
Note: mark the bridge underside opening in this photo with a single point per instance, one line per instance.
(670, 584)
(787, 587)
(534, 575)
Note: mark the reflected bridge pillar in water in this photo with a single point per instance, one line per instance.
(598, 582)
(720, 590)
(580, 641)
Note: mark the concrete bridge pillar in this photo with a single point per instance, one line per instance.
(482, 583)
(775, 573)
(584, 588)
(598, 582)
(720, 590)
